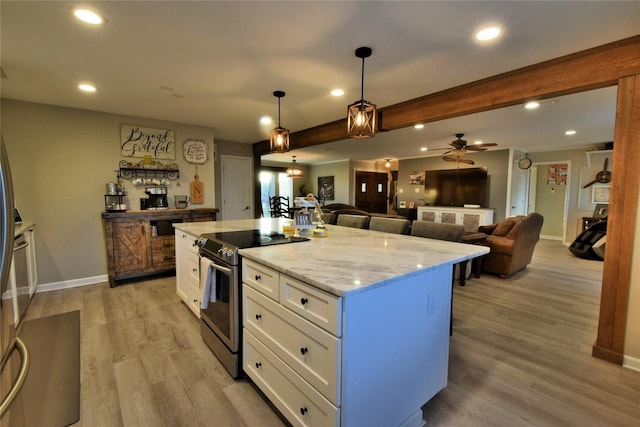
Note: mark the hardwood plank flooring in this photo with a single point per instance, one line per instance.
(520, 355)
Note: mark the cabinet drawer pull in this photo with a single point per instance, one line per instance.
(258, 365)
(304, 350)
(303, 410)
(257, 277)
(258, 316)
(304, 301)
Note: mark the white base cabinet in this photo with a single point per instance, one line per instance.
(471, 218)
(372, 358)
(188, 270)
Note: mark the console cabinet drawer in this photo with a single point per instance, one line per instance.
(300, 403)
(318, 307)
(261, 278)
(309, 350)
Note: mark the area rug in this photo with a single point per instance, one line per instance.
(51, 393)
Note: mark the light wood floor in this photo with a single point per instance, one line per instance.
(520, 356)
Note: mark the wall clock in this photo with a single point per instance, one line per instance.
(195, 151)
(524, 163)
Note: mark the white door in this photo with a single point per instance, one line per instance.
(237, 187)
(519, 191)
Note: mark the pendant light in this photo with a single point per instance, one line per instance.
(361, 115)
(279, 135)
(387, 163)
(294, 171)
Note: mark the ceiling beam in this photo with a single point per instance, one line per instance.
(590, 69)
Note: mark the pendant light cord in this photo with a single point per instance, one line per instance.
(362, 82)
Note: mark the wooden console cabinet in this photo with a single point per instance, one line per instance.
(141, 243)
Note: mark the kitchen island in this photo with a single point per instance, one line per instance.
(351, 329)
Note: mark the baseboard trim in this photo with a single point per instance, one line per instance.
(631, 363)
(67, 284)
(607, 354)
(551, 237)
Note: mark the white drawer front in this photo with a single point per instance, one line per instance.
(194, 268)
(309, 350)
(300, 403)
(262, 278)
(193, 293)
(319, 307)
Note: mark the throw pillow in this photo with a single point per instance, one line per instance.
(504, 227)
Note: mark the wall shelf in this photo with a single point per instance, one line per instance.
(589, 153)
(129, 172)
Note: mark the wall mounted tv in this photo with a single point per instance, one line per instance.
(456, 187)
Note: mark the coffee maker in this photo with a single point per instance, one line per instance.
(157, 197)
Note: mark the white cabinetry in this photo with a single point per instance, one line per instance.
(373, 358)
(188, 270)
(471, 218)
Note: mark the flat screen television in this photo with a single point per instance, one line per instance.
(456, 187)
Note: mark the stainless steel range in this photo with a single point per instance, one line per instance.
(220, 275)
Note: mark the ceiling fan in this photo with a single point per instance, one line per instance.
(460, 148)
(602, 177)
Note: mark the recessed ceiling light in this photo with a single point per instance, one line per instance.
(488, 33)
(423, 149)
(531, 105)
(88, 16)
(266, 120)
(85, 87)
(478, 142)
(337, 92)
(570, 132)
(419, 126)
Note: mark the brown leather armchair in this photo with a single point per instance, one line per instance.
(511, 243)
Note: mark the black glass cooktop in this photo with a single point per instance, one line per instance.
(252, 238)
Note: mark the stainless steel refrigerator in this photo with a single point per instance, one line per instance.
(15, 355)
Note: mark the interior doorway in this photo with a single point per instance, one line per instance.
(371, 191)
(549, 196)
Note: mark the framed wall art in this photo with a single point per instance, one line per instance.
(416, 178)
(326, 188)
(600, 194)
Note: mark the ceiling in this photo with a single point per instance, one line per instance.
(217, 63)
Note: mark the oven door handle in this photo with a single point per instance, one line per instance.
(221, 268)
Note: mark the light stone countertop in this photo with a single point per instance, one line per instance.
(348, 260)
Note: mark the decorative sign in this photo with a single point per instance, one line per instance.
(136, 141)
(195, 151)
